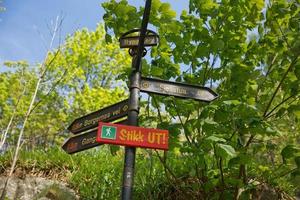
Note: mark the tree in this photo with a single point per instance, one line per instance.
(81, 78)
(248, 51)
(38, 102)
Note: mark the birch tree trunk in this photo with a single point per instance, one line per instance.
(44, 68)
(4, 136)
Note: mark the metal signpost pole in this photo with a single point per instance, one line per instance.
(133, 112)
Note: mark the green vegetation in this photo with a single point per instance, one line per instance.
(248, 51)
(78, 79)
(243, 145)
(96, 174)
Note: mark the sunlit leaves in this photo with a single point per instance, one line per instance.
(225, 151)
(81, 77)
(248, 52)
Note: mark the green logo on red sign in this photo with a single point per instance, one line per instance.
(109, 132)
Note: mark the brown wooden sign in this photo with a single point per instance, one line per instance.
(107, 114)
(133, 41)
(167, 88)
(84, 141)
(81, 142)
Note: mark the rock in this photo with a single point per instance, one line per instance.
(38, 188)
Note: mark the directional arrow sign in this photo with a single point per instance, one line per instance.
(107, 114)
(83, 142)
(132, 136)
(133, 41)
(181, 90)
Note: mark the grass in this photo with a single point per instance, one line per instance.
(94, 174)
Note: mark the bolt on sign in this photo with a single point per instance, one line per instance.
(180, 90)
(107, 114)
(134, 136)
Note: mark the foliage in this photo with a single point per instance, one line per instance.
(78, 74)
(95, 174)
(248, 51)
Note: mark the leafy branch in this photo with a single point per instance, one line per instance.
(279, 85)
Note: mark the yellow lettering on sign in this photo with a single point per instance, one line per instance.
(116, 112)
(135, 41)
(156, 137)
(123, 134)
(97, 119)
(151, 137)
(135, 136)
(173, 89)
(86, 141)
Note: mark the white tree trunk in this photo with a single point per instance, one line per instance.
(4, 135)
(44, 68)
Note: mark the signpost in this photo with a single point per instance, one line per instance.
(107, 114)
(133, 113)
(132, 136)
(180, 90)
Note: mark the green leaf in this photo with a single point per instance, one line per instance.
(289, 151)
(217, 45)
(270, 131)
(232, 102)
(214, 139)
(224, 150)
(108, 38)
(157, 71)
(258, 3)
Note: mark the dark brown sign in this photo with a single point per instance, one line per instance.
(107, 114)
(181, 90)
(81, 142)
(133, 41)
(84, 141)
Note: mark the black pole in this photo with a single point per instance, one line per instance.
(133, 113)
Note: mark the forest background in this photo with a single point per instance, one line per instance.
(244, 144)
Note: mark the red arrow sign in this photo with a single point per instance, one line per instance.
(132, 136)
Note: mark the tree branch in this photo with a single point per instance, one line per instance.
(3, 138)
(279, 85)
(278, 105)
(182, 124)
(267, 74)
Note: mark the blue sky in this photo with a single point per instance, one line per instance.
(24, 26)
